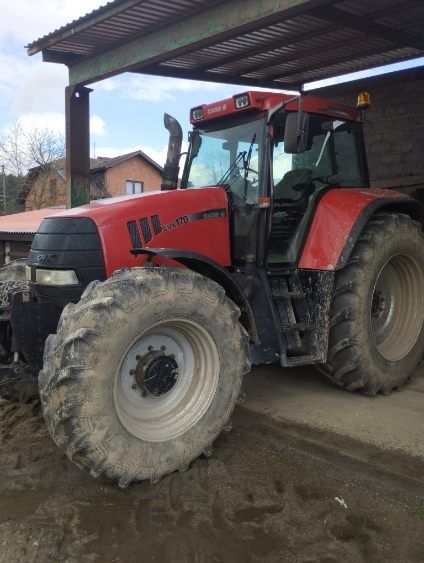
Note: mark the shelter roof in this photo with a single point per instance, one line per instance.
(272, 43)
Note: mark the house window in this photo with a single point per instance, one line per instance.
(53, 188)
(134, 187)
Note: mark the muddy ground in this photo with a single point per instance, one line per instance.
(261, 497)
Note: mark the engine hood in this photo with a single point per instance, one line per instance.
(195, 220)
(105, 211)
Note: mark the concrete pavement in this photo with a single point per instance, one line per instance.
(302, 399)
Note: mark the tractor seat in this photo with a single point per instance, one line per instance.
(291, 199)
(295, 185)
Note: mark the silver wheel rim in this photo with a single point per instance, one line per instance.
(157, 418)
(397, 307)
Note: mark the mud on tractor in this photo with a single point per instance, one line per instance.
(272, 248)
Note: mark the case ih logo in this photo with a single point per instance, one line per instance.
(46, 257)
(146, 230)
(217, 109)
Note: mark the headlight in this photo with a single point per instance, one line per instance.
(56, 277)
(197, 114)
(242, 101)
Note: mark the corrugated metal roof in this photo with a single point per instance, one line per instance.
(26, 222)
(302, 41)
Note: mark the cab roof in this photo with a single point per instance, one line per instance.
(254, 100)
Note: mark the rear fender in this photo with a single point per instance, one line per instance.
(210, 269)
(339, 219)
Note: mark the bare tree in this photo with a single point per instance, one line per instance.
(35, 156)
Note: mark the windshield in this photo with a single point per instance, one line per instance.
(229, 155)
(334, 156)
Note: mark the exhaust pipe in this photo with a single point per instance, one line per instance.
(172, 168)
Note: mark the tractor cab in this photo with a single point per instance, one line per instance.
(277, 152)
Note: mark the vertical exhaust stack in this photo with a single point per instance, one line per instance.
(172, 168)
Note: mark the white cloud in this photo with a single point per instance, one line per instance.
(97, 125)
(152, 88)
(28, 20)
(54, 121)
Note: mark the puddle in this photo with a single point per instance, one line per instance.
(19, 504)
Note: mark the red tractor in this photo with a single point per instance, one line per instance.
(272, 248)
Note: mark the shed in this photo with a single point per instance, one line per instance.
(17, 232)
(281, 44)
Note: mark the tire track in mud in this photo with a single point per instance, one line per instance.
(252, 501)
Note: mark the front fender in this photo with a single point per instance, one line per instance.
(340, 217)
(210, 269)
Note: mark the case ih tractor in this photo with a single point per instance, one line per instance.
(273, 249)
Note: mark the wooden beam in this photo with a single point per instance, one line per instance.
(266, 47)
(272, 60)
(217, 23)
(369, 27)
(77, 107)
(324, 64)
(236, 80)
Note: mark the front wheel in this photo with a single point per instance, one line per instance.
(143, 373)
(376, 335)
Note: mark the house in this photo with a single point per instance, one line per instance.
(130, 173)
(17, 232)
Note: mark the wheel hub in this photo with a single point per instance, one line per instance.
(378, 304)
(156, 373)
(397, 307)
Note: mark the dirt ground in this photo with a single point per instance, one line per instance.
(256, 499)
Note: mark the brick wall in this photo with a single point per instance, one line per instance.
(394, 132)
(135, 169)
(48, 190)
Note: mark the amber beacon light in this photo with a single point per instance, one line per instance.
(364, 100)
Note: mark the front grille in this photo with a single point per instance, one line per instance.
(157, 227)
(145, 229)
(134, 234)
(68, 243)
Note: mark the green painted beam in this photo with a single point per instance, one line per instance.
(205, 28)
(241, 81)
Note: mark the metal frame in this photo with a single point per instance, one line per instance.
(272, 43)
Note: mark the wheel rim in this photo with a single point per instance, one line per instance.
(166, 380)
(397, 307)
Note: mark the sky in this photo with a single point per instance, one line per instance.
(126, 111)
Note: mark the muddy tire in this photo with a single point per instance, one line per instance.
(14, 271)
(376, 335)
(19, 385)
(143, 373)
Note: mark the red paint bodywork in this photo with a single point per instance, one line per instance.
(334, 218)
(337, 212)
(210, 237)
(263, 101)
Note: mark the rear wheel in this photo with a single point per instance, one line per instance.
(377, 317)
(143, 373)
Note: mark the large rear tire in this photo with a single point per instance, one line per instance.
(376, 335)
(143, 373)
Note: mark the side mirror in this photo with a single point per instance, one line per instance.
(296, 133)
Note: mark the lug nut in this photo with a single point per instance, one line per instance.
(138, 357)
(133, 386)
(150, 348)
(163, 348)
(132, 371)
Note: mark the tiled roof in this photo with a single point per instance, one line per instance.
(102, 163)
(26, 222)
